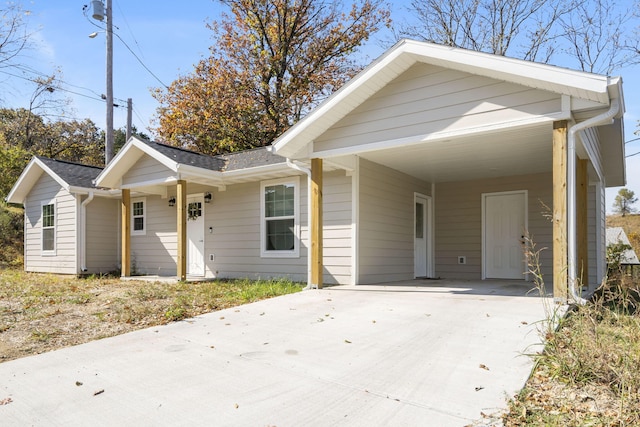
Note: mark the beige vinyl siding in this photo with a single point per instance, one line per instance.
(102, 235)
(146, 169)
(386, 228)
(427, 99)
(458, 219)
(593, 229)
(47, 190)
(156, 251)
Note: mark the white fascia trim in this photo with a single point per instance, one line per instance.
(343, 92)
(257, 170)
(134, 142)
(437, 136)
(96, 191)
(502, 67)
(149, 183)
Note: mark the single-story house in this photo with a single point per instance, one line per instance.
(431, 162)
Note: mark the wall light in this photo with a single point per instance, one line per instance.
(207, 197)
(172, 201)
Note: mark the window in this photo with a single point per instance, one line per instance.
(49, 229)
(279, 211)
(138, 218)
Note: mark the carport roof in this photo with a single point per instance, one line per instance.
(587, 86)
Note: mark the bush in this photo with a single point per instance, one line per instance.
(11, 236)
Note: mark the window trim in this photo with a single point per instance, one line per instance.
(43, 251)
(142, 232)
(295, 252)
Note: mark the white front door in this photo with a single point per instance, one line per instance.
(421, 235)
(504, 232)
(195, 236)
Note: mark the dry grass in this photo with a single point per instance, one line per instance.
(631, 226)
(43, 312)
(588, 374)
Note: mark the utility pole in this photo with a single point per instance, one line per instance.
(108, 143)
(129, 112)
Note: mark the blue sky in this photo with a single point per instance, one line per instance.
(170, 37)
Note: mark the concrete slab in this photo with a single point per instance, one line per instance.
(420, 353)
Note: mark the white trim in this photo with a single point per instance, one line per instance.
(355, 222)
(145, 209)
(52, 252)
(409, 141)
(295, 253)
(525, 194)
(150, 183)
(406, 53)
(198, 198)
(432, 273)
(428, 227)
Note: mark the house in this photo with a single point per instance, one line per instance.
(628, 257)
(431, 162)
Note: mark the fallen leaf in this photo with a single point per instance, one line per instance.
(347, 341)
(78, 383)
(6, 401)
(483, 366)
(95, 393)
(237, 406)
(479, 388)
(524, 322)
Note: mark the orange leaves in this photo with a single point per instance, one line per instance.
(272, 61)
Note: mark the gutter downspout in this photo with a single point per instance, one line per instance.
(599, 120)
(308, 172)
(83, 238)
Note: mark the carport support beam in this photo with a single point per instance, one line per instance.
(181, 205)
(125, 269)
(582, 184)
(560, 141)
(316, 223)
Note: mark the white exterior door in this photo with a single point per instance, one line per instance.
(195, 236)
(421, 235)
(504, 232)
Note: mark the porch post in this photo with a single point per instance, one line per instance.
(181, 229)
(582, 240)
(316, 223)
(560, 290)
(125, 210)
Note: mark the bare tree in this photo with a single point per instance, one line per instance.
(597, 35)
(14, 36)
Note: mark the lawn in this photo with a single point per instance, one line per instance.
(44, 312)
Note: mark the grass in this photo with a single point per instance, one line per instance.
(41, 312)
(589, 372)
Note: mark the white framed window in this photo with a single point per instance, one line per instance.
(49, 228)
(139, 217)
(279, 218)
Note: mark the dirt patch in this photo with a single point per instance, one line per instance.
(40, 313)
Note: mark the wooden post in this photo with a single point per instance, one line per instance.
(560, 289)
(582, 228)
(125, 210)
(316, 223)
(181, 229)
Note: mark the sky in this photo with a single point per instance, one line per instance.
(169, 37)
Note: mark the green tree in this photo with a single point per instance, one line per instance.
(624, 200)
(271, 61)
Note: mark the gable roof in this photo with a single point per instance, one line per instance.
(73, 177)
(404, 54)
(187, 163)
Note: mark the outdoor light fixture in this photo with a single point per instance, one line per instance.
(172, 201)
(207, 197)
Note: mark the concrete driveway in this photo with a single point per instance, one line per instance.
(420, 353)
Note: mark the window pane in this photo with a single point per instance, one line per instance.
(138, 224)
(419, 220)
(279, 200)
(48, 216)
(138, 208)
(48, 239)
(280, 235)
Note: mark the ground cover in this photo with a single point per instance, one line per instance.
(44, 312)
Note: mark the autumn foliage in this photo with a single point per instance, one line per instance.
(271, 61)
